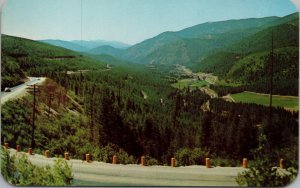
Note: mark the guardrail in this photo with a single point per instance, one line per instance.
(88, 158)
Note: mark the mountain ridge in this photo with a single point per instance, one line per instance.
(193, 44)
(84, 46)
(106, 49)
(200, 40)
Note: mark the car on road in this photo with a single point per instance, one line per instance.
(7, 89)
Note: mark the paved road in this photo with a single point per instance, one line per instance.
(104, 174)
(20, 90)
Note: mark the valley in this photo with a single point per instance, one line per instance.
(201, 92)
(190, 79)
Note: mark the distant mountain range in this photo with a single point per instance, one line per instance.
(191, 45)
(205, 46)
(108, 50)
(66, 44)
(85, 46)
(235, 50)
(98, 43)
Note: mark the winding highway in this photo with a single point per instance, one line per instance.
(20, 90)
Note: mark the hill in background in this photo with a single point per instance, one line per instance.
(191, 45)
(22, 57)
(85, 46)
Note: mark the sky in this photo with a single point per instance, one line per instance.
(128, 21)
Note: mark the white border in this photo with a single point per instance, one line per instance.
(295, 184)
(3, 183)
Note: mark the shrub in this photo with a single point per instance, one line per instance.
(199, 156)
(124, 158)
(62, 172)
(151, 161)
(217, 161)
(106, 154)
(20, 171)
(188, 156)
(263, 173)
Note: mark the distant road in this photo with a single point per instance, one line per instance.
(104, 174)
(20, 90)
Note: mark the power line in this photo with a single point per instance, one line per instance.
(271, 78)
(81, 12)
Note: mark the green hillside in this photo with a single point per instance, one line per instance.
(23, 57)
(214, 28)
(246, 62)
(19, 47)
(219, 63)
(114, 61)
(138, 53)
(66, 44)
(191, 45)
(284, 35)
(254, 69)
(252, 73)
(254, 66)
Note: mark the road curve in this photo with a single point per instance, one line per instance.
(20, 90)
(104, 174)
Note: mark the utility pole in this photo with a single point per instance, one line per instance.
(33, 90)
(271, 78)
(49, 105)
(119, 92)
(33, 118)
(92, 114)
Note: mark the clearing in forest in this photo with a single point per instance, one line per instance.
(288, 102)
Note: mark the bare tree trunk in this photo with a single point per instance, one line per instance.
(49, 105)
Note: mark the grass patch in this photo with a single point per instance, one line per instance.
(289, 102)
(201, 83)
(231, 84)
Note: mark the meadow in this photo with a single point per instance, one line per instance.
(288, 102)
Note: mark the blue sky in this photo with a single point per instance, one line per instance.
(129, 21)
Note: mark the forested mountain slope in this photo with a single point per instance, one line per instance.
(247, 61)
(108, 50)
(190, 45)
(21, 57)
(66, 44)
